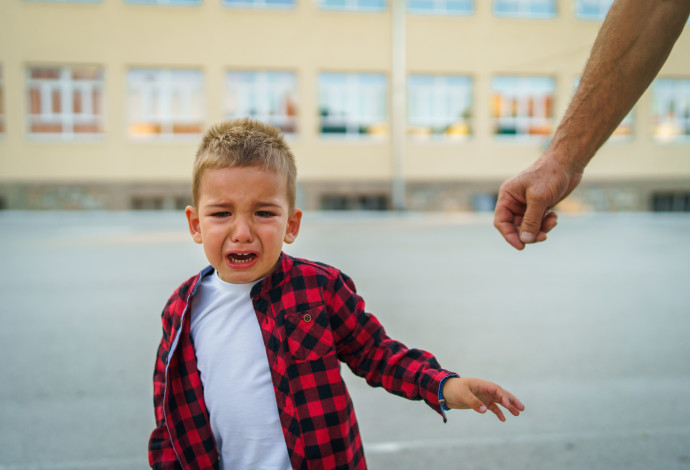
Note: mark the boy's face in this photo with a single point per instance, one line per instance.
(242, 219)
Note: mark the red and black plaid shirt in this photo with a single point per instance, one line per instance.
(311, 319)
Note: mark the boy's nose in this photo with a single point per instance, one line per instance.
(242, 232)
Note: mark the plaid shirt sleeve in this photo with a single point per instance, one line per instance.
(162, 456)
(362, 343)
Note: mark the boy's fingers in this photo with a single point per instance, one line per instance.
(497, 411)
(518, 404)
(512, 404)
(476, 404)
(514, 410)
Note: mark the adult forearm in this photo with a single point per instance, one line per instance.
(632, 45)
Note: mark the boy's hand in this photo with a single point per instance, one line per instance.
(464, 393)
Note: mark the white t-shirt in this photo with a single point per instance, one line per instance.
(234, 370)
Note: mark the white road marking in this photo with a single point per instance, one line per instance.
(398, 446)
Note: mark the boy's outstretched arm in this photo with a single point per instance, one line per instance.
(464, 393)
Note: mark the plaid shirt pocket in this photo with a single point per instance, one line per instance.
(309, 335)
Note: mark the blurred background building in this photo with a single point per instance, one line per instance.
(421, 104)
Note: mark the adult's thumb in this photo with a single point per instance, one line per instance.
(531, 222)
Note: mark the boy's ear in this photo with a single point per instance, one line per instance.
(293, 226)
(193, 221)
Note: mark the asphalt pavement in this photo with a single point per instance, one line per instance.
(591, 330)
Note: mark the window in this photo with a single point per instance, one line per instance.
(523, 106)
(269, 97)
(165, 103)
(353, 5)
(671, 201)
(65, 102)
(484, 202)
(439, 105)
(259, 3)
(525, 8)
(592, 9)
(441, 7)
(367, 202)
(352, 104)
(671, 110)
(143, 203)
(2, 104)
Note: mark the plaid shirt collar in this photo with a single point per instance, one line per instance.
(276, 278)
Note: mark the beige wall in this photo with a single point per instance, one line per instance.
(307, 40)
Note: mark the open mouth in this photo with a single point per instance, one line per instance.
(240, 258)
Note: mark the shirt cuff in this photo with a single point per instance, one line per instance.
(441, 399)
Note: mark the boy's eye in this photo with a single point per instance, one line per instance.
(220, 214)
(264, 214)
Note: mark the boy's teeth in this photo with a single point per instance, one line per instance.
(241, 258)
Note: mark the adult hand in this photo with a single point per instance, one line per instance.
(523, 209)
(480, 395)
(632, 45)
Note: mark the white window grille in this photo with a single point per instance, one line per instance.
(269, 97)
(165, 102)
(353, 5)
(65, 102)
(592, 9)
(441, 7)
(523, 106)
(353, 104)
(439, 105)
(525, 8)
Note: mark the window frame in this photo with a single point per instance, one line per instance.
(353, 6)
(353, 93)
(66, 88)
(681, 123)
(520, 101)
(446, 89)
(440, 7)
(263, 88)
(523, 5)
(599, 16)
(158, 104)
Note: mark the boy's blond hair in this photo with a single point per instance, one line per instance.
(244, 143)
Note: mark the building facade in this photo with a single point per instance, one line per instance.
(102, 102)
